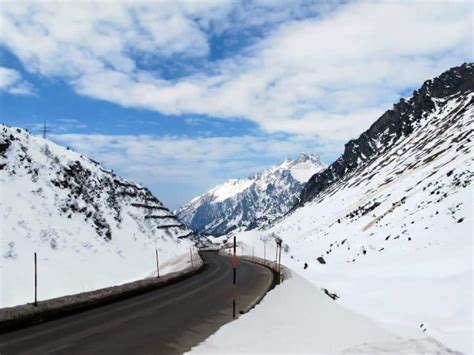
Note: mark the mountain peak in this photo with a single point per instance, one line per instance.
(245, 203)
(303, 157)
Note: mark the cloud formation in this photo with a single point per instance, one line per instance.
(12, 82)
(329, 74)
(151, 159)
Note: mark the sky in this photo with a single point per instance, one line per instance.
(183, 95)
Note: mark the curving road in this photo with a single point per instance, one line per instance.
(170, 320)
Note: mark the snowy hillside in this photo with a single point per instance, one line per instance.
(389, 229)
(90, 228)
(247, 203)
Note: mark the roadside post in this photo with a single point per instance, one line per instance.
(279, 241)
(36, 282)
(157, 265)
(234, 285)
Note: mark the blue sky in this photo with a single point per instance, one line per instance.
(183, 95)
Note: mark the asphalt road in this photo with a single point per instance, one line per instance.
(170, 320)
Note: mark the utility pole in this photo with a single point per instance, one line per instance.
(36, 282)
(45, 130)
(157, 265)
(234, 283)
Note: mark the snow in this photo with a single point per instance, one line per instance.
(396, 236)
(239, 203)
(60, 224)
(303, 171)
(305, 166)
(177, 263)
(297, 317)
(218, 240)
(230, 188)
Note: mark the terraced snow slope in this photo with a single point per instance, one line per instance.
(90, 228)
(248, 203)
(394, 236)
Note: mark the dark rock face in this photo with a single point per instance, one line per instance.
(334, 296)
(389, 128)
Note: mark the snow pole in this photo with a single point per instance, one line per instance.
(279, 265)
(264, 252)
(36, 281)
(276, 253)
(234, 286)
(157, 264)
(191, 254)
(253, 253)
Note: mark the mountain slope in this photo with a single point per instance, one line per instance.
(389, 230)
(90, 227)
(393, 125)
(246, 203)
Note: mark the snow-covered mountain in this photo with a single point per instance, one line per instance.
(388, 227)
(247, 203)
(90, 227)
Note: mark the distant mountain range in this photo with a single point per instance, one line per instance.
(248, 203)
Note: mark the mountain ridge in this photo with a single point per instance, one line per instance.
(390, 127)
(248, 202)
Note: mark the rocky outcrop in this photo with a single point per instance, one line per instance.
(389, 128)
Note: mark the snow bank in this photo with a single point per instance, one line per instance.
(18, 317)
(178, 263)
(298, 317)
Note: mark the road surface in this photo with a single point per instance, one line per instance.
(170, 320)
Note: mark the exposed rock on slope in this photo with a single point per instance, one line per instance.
(90, 227)
(247, 203)
(394, 124)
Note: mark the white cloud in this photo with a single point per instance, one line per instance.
(178, 159)
(325, 75)
(12, 83)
